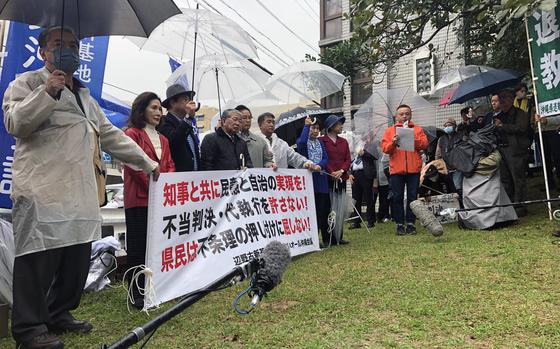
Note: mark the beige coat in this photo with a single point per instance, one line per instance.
(54, 191)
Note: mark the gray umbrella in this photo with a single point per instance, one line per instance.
(92, 17)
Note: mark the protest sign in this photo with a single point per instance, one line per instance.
(544, 32)
(203, 224)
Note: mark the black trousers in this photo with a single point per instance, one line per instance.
(323, 208)
(362, 192)
(136, 235)
(384, 203)
(46, 286)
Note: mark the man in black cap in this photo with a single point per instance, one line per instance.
(179, 127)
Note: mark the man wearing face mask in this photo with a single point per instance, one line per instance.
(444, 146)
(59, 130)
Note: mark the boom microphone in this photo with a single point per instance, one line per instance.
(275, 258)
(426, 218)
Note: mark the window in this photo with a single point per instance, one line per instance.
(333, 101)
(361, 87)
(423, 72)
(331, 13)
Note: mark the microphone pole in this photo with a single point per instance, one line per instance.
(139, 333)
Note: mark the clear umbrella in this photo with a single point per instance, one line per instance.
(460, 74)
(376, 114)
(218, 80)
(213, 33)
(305, 81)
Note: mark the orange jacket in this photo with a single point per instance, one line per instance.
(401, 161)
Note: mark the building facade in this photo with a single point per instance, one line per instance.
(419, 70)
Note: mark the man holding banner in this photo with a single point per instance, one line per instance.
(59, 130)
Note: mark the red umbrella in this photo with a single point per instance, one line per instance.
(447, 97)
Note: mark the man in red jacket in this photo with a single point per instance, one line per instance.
(404, 167)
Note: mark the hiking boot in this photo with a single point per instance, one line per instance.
(410, 229)
(400, 229)
(42, 341)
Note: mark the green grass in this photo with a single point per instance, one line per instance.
(468, 289)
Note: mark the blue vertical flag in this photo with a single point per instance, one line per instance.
(21, 55)
(174, 64)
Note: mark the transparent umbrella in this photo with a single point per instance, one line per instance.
(195, 33)
(376, 114)
(218, 80)
(305, 81)
(198, 33)
(460, 74)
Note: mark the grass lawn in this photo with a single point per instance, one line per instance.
(473, 289)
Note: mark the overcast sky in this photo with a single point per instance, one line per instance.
(134, 70)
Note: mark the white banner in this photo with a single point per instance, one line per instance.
(203, 224)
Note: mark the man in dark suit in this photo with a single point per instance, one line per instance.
(224, 149)
(179, 127)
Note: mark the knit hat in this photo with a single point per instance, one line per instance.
(450, 121)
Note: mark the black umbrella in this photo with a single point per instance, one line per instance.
(290, 124)
(92, 17)
(484, 84)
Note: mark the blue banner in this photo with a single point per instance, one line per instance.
(21, 55)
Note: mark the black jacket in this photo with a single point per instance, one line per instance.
(515, 131)
(220, 152)
(176, 132)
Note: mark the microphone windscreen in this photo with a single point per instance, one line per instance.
(426, 218)
(275, 257)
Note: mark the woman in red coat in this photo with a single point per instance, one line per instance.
(144, 117)
(337, 166)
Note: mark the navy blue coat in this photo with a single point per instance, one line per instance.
(320, 182)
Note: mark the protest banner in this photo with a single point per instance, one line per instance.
(544, 40)
(203, 224)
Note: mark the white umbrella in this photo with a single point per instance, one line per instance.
(195, 33)
(305, 81)
(460, 74)
(220, 80)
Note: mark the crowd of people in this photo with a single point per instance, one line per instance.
(56, 208)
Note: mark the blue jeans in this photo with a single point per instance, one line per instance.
(412, 181)
(457, 177)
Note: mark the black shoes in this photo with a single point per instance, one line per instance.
(556, 234)
(410, 229)
(354, 226)
(343, 242)
(43, 341)
(74, 326)
(371, 225)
